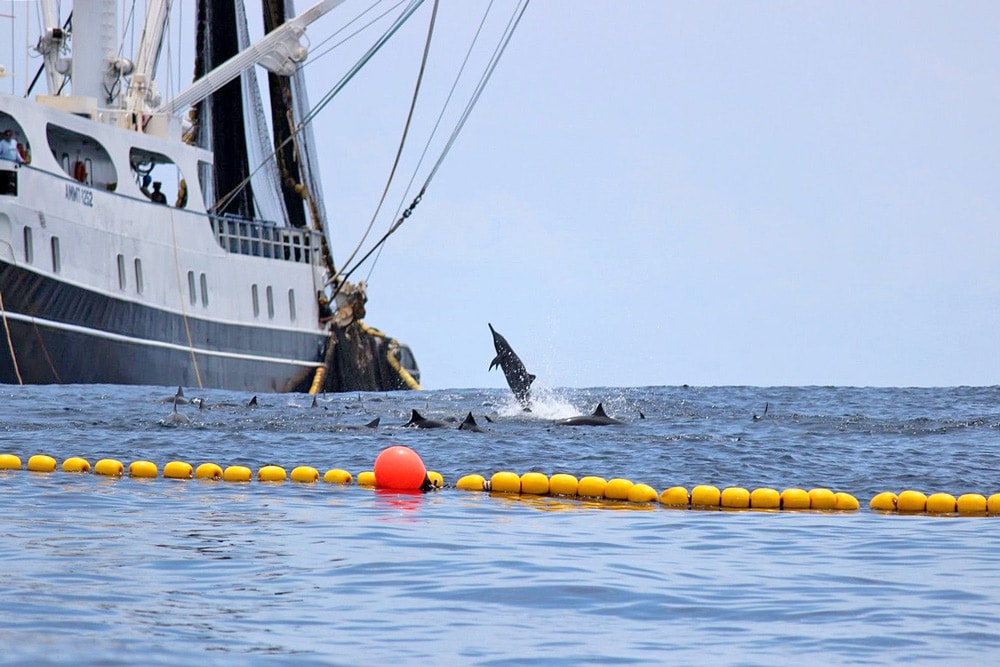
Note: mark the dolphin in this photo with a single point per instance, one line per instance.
(176, 418)
(370, 426)
(418, 421)
(470, 425)
(178, 397)
(598, 418)
(518, 378)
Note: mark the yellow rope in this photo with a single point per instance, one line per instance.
(404, 374)
(10, 343)
(317, 380)
(180, 294)
(392, 347)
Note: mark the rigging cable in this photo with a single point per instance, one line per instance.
(451, 141)
(437, 124)
(34, 326)
(402, 141)
(308, 118)
(10, 342)
(319, 56)
(180, 296)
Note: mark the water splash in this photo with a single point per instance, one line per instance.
(546, 404)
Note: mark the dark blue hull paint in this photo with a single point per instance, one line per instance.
(76, 338)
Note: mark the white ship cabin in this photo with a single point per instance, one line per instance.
(82, 183)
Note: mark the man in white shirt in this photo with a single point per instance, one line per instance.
(8, 148)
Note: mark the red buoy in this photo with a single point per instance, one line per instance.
(399, 468)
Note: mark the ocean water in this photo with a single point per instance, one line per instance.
(99, 571)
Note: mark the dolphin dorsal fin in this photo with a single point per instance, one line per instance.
(469, 419)
(373, 423)
(599, 411)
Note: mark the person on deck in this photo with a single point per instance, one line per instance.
(325, 312)
(156, 195)
(9, 148)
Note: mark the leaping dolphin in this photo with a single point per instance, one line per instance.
(598, 418)
(518, 378)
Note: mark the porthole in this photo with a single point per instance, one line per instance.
(56, 258)
(121, 272)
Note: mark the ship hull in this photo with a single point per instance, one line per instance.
(66, 334)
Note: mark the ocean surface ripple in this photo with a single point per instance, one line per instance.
(161, 572)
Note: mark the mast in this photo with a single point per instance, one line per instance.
(282, 122)
(49, 45)
(95, 43)
(142, 93)
(280, 51)
(221, 125)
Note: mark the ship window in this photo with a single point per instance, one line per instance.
(81, 157)
(29, 246)
(204, 290)
(121, 272)
(291, 304)
(138, 275)
(56, 260)
(270, 302)
(256, 301)
(8, 122)
(191, 291)
(158, 168)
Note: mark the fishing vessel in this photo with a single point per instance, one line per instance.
(175, 241)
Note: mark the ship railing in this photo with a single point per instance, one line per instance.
(265, 239)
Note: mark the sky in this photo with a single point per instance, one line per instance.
(664, 193)
(710, 193)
